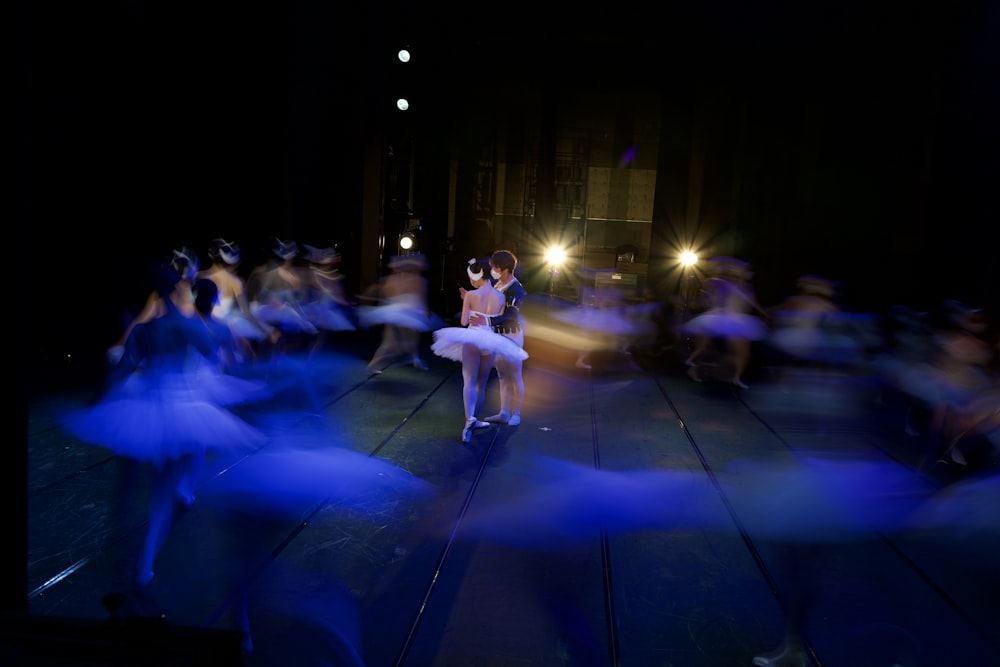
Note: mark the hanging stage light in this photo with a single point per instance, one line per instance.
(407, 241)
(404, 55)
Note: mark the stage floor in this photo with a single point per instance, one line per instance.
(543, 544)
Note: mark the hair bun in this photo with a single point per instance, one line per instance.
(472, 261)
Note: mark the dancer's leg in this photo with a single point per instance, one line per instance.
(486, 362)
(189, 473)
(701, 344)
(516, 383)
(740, 350)
(161, 517)
(503, 375)
(470, 380)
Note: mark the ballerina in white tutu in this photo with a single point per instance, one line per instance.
(476, 346)
(326, 303)
(730, 299)
(184, 263)
(275, 291)
(233, 308)
(402, 312)
(155, 411)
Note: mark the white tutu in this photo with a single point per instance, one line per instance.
(815, 344)
(449, 341)
(282, 316)
(287, 479)
(603, 320)
(229, 313)
(823, 500)
(714, 324)
(166, 420)
(329, 316)
(400, 314)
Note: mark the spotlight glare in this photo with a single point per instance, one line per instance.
(403, 55)
(555, 256)
(406, 241)
(689, 258)
(402, 104)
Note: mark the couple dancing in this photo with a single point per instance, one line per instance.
(490, 335)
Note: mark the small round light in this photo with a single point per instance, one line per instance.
(403, 55)
(402, 104)
(689, 258)
(406, 242)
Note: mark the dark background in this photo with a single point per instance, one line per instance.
(142, 126)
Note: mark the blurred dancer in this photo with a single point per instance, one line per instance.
(233, 308)
(325, 302)
(184, 263)
(956, 374)
(402, 311)
(476, 346)
(285, 482)
(275, 292)
(217, 376)
(503, 263)
(609, 322)
(160, 416)
(730, 298)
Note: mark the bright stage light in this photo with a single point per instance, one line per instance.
(406, 241)
(689, 258)
(403, 55)
(402, 104)
(555, 256)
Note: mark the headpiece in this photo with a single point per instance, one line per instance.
(285, 249)
(474, 276)
(185, 263)
(226, 251)
(320, 255)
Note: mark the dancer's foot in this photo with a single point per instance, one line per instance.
(692, 373)
(498, 418)
(958, 457)
(420, 365)
(514, 420)
(480, 424)
(470, 424)
(739, 383)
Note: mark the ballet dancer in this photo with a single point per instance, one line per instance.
(509, 323)
(476, 346)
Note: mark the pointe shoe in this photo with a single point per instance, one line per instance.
(498, 418)
(514, 420)
(740, 384)
(470, 425)
(480, 424)
(692, 373)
